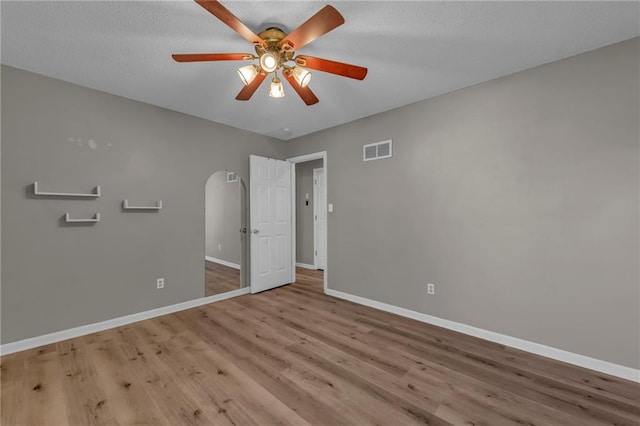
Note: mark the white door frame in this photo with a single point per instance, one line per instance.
(301, 159)
(317, 206)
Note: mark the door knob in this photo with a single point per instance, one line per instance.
(256, 231)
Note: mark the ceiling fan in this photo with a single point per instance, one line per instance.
(275, 52)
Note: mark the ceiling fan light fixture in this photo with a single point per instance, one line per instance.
(274, 49)
(276, 90)
(302, 76)
(247, 73)
(268, 62)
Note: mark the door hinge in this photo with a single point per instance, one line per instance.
(316, 252)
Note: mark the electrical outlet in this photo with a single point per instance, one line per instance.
(160, 283)
(431, 288)
(219, 247)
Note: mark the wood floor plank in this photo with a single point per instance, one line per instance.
(497, 361)
(254, 401)
(265, 371)
(85, 399)
(167, 379)
(265, 408)
(344, 339)
(294, 355)
(599, 387)
(328, 380)
(381, 404)
(43, 368)
(376, 376)
(134, 405)
(494, 398)
(573, 400)
(220, 279)
(464, 410)
(12, 394)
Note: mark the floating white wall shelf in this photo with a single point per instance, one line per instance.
(126, 206)
(95, 218)
(37, 191)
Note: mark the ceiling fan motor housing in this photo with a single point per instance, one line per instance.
(272, 36)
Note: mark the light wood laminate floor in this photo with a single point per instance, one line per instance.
(220, 278)
(296, 356)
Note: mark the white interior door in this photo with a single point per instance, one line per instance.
(270, 222)
(320, 219)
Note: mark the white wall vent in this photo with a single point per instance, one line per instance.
(377, 151)
(232, 177)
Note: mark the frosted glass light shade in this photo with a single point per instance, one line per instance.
(247, 73)
(302, 76)
(275, 89)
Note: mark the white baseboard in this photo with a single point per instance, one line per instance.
(536, 348)
(305, 265)
(58, 336)
(222, 262)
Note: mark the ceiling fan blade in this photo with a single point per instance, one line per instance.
(248, 90)
(305, 93)
(318, 25)
(200, 57)
(333, 67)
(223, 14)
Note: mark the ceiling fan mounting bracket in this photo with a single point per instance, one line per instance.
(272, 36)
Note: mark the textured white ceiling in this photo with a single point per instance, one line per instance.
(414, 51)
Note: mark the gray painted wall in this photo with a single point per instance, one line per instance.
(57, 277)
(223, 220)
(518, 198)
(304, 213)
